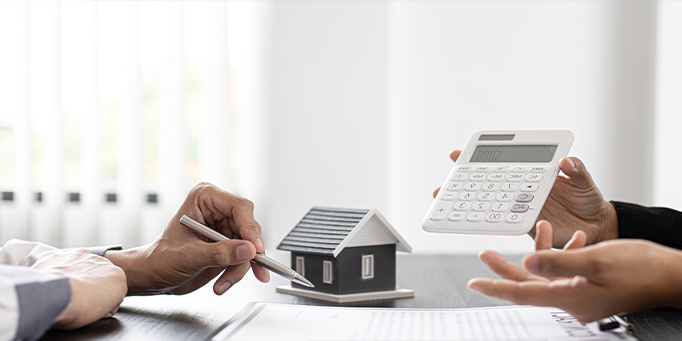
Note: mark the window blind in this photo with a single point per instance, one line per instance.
(109, 113)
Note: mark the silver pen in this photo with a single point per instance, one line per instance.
(261, 260)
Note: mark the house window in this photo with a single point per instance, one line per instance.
(367, 266)
(327, 272)
(300, 265)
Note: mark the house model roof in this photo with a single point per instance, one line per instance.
(328, 230)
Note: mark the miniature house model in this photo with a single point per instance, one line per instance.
(348, 254)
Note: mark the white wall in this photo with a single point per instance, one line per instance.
(330, 109)
(668, 120)
(460, 67)
(369, 98)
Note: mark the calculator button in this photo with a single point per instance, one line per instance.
(510, 187)
(493, 217)
(472, 186)
(449, 196)
(496, 177)
(518, 169)
(460, 177)
(477, 177)
(475, 216)
(500, 169)
(534, 177)
(485, 196)
(514, 177)
(505, 197)
(500, 207)
(524, 197)
(529, 187)
(441, 211)
(490, 187)
(481, 206)
(519, 208)
(541, 169)
(514, 218)
(455, 186)
(462, 206)
(456, 216)
(483, 169)
(465, 169)
(467, 196)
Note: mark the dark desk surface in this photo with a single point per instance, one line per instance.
(439, 282)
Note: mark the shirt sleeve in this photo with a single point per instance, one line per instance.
(30, 300)
(657, 224)
(19, 252)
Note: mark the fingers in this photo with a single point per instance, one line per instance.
(578, 241)
(576, 172)
(217, 204)
(529, 292)
(261, 273)
(251, 231)
(563, 264)
(232, 275)
(223, 254)
(112, 312)
(543, 235)
(503, 266)
(245, 222)
(454, 155)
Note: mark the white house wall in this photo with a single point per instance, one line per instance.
(373, 233)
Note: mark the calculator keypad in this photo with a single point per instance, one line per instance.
(491, 194)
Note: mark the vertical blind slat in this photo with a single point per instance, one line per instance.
(50, 76)
(23, 137)
(214, 139)
(129, 133)
(172, 136)
(80, 228)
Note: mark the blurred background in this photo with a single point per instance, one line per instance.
(111, 111)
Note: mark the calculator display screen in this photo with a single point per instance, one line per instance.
(514, 153)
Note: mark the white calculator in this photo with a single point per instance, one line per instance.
(499, 183)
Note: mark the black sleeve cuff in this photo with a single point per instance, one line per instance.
(657, 224)
(101, 250)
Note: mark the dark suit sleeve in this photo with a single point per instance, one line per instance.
(657, 224)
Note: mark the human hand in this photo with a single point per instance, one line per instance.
(97, 286)
(590, 283)
(574, 203)
(181, 261)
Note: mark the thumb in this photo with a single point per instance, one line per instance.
(562, 264)
(576, 172)
(224, 253)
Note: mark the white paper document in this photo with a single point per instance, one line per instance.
(267, 321)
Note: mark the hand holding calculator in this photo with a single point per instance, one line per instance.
(499, 183)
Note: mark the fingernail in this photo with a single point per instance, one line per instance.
(260, 245)
(224, 287)
(472, 285)
(531, 264)
(243, 252)
(571, 162)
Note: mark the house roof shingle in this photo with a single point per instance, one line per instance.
(322, 229)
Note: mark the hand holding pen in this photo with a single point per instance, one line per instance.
(260, 259)
(180, 261)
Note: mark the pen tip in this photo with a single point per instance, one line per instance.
(302, 281)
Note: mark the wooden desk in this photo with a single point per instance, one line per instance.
(439, 282)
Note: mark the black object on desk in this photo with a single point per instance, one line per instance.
(439, 282)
